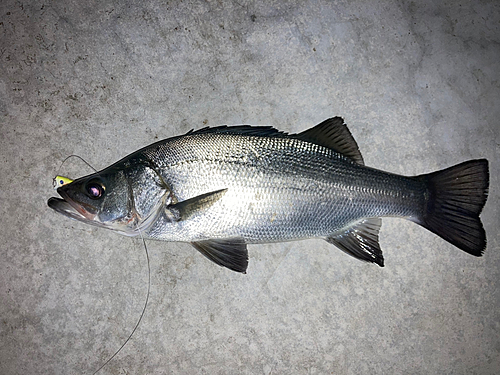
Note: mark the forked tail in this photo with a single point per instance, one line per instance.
(455, 197)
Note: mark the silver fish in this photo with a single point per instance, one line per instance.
(225, 187)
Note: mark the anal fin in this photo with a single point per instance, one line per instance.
(361, 241)
(230, 253)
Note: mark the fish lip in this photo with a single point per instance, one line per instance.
(79, 208)
(65, 208)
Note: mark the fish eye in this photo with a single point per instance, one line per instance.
(95, 189)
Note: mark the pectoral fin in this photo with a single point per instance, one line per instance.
(230, 253)
(185, 209)
(361, 241)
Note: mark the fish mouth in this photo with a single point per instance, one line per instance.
(63, 207)
(68, 207)
(76, 211)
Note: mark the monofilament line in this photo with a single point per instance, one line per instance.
(78, 157)
(143, 310)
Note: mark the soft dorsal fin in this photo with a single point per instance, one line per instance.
(361, 241)
(333, 133)
(231, 253)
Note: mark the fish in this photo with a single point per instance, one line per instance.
(222, 188)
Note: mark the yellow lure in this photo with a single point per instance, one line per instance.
(59, 181)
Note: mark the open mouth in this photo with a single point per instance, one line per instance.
(70, 208)
(63, 207)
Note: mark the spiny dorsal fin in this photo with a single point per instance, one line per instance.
(361, 241)
(333, 133)
(248, 130)
(231, 253)
(185, 209)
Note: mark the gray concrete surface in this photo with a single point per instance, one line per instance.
(417, 84)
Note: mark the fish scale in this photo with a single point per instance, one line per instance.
(305, 190)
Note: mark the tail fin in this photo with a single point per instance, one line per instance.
(455, 198)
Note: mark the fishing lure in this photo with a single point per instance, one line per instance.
(59, 181)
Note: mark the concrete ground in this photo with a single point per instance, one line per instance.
(418, 86)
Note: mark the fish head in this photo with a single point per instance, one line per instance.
(122, 198)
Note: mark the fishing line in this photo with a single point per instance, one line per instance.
(78, 157)
(143, 310)
(149, 270)
(54, 182)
